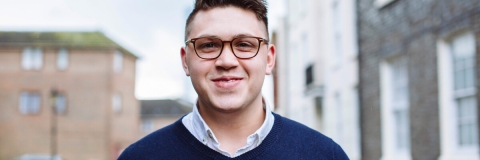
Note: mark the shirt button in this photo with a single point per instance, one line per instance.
(210, 134)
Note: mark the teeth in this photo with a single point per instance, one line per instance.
(229, 80)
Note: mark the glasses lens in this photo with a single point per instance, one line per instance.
(208, 47)
(245, 47)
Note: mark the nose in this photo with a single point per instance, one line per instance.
(227, 59)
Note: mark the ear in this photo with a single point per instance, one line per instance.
(270, 59)
(183, 54)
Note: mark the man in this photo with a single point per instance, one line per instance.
(227, 55)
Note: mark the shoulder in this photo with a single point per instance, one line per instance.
(307, 141)
(159, 142)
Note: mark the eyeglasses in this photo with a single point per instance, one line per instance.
(211, 48)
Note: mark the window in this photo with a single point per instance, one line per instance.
(32, 58)
(467, 122)
(395, 109)
(400, 103)
(318, 102)
(457, 97)
(147, 125)
(60, 104)
(309, 75)
(118, 61)
(29, 102)
(62, 59)
(117, 102)
(463, 53)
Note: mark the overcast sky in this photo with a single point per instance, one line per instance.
(152, 29)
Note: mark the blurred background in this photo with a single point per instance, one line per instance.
(386, 79)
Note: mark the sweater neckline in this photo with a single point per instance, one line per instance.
(189, 139)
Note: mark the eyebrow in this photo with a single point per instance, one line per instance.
(235, 36)
(243, 35)
(207, 35)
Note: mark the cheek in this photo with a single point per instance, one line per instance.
(197, 77)
(198, 71)
(256, 71)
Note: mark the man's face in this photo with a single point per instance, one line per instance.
(227, 84)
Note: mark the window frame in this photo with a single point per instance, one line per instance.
(65, 110)
(32, 58)
(309, 75)
(448, 110)
(389, 133)
(117, 98)
(59, 61)
(26, 110)
(118, 58)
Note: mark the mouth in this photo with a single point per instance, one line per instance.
(227, 82)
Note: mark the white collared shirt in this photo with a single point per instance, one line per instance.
(200, 130)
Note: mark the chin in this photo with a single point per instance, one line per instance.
(227, 106)
(219, 102)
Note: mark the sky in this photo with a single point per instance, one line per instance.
(151, 29)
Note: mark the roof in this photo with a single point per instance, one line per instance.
(162, 108)
(60, 39)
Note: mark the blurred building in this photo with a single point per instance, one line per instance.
(419, 79)
(66, 93)
(316, 74)
(340, 105)
(156, 114)
(298, 94)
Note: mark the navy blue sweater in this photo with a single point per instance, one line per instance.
(287, 140)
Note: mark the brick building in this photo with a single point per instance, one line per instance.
(94, 80)
(419, 76)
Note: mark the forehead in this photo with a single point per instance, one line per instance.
(226, 22)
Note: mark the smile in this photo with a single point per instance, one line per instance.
(232, 80)
(227, 82)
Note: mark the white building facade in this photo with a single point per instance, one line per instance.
(317, 69)
(299, 96)
(341, 105)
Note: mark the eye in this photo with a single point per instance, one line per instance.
(205, 46)
(244, 44)
(208, 45)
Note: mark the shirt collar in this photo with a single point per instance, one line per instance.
(202, 130)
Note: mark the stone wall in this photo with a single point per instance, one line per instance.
(411, 28)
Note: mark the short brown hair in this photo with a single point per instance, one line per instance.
(259, 7)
